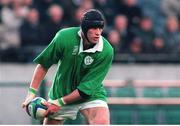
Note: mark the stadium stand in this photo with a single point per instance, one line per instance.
(22, 47)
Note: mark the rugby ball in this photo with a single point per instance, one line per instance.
(36, 109)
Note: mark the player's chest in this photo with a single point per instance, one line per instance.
(83, 60)
(78, 58)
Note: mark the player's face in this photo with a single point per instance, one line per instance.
(94, 34)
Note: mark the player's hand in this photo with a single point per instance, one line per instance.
(52, 108)
(29, 98)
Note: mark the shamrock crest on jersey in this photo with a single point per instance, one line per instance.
(88, 60)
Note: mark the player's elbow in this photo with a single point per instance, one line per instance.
(83, 95)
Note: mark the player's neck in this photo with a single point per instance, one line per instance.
(87, 44)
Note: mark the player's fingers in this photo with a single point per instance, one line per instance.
(24, 105)
(46, 113)
(47, 104)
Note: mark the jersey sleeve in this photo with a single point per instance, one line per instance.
(52, 53)
(92, 81)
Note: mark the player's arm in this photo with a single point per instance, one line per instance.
(49, 56)
(38, 76)
(70, 98)
(55, 105)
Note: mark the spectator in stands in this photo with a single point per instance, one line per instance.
(54, 23)
(2, 41)
(87, 4)
(120, 24)
(69, 8)
(114, 38)
(3, 44)
(9, 34)
(22, 7)
(42, 6)
(171, 34)
(132, 11)
(136, 46)
(12, 15)
(170, 7)
(106, 6)
(30, 30)
(159, 46)
(77, 16)
(146, 33)
(27, 4)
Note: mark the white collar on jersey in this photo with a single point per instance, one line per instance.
(97, 47)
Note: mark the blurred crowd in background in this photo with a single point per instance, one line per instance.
(132, 26)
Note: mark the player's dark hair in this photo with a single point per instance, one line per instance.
(92, 19)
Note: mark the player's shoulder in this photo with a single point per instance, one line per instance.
(107, 46)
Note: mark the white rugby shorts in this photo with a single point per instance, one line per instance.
(71, 111)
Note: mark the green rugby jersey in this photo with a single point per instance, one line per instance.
(77, 68)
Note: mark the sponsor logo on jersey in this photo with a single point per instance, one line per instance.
(75, 50)
(88, 60)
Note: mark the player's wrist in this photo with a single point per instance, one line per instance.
(32, 91)
(58, 102)
(30, 96)
(61, 102)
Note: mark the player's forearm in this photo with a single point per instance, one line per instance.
(38, 76)
(72, 97)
